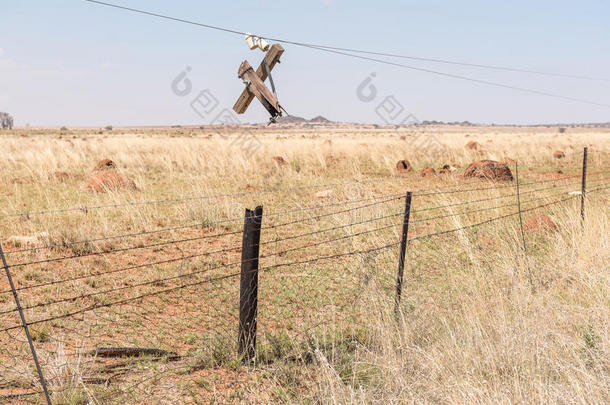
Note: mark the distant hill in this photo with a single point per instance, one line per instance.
(293, 119)
(320, 119)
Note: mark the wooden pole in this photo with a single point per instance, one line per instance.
(271, 58)
(248, 292)
(403, 250)
(256, 86)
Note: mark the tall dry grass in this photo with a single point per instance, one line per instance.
(505, 327)
(481, 320)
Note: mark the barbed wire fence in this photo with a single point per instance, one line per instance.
(103, 322)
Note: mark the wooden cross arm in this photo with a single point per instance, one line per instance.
(258, 88)
(271, 58)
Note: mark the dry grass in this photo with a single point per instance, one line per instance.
(480, 321)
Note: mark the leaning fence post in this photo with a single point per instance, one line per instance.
(403, 250)
(519, 206)
(248, 289)
(584, 186)
(25, 327)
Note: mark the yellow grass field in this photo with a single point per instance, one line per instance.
(481, 319)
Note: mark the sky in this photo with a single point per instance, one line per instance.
(73, 63)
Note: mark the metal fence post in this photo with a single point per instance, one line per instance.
(519, 206)
(403, 250)
(584, 186)
(248, 291)
(25, 327)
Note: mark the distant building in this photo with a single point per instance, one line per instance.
(6, 121)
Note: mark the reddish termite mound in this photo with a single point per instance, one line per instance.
(473, 145)
(104, 165)
(540, 223)
(279, 160)
(110, 181)
(404, 166)
(489, 169)
(427, 171)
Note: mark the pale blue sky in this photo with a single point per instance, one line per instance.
(67, 62)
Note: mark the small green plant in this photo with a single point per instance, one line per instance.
(40, 334)
(590, 338)
(217, 353)
(190, 338)
(591, 349)
(275, 347)
(296, 165)
(75, 396)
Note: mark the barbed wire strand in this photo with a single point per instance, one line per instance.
(313, 245)
(201, 271)
(497, 187)
(164, 243)
(122, 302)
(498, 218)
(507, 205)
(194, 198)
(439, 207)
(138, 266)
(395, 198)
(202, 224)
(330, 229)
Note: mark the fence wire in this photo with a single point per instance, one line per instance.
(110, 323)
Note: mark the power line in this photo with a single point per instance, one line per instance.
(467, 78)
(335, 48)
(345, 52)
(477, 65)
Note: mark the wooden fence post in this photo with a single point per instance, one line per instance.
(403, 250)
(584, 186)
(248, 291)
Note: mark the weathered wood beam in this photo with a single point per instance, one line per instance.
(258, 89)
(271, 57)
